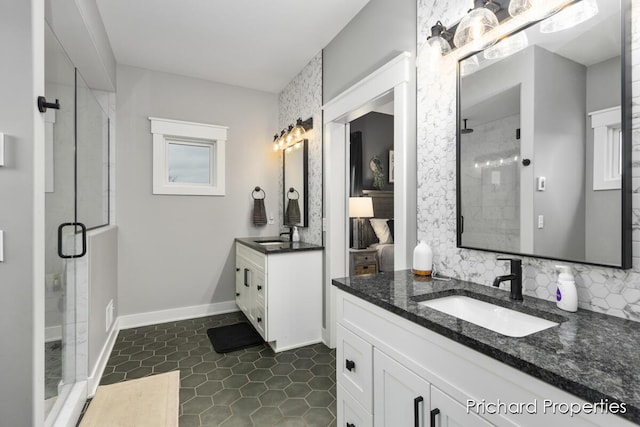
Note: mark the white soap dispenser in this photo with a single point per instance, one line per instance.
(566, 295)
(422, 259)
(295, 236)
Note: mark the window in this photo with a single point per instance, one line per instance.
(607, 149)
(188, 158)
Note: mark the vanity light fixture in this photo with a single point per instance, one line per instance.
(476, 28)
(290, 138)
(572, 15)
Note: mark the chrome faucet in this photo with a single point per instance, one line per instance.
(515, 277)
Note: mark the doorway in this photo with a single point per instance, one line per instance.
(389, 84)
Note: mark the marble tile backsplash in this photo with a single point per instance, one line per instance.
(302, 98)
(607, 290)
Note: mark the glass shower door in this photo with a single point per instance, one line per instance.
(61, 243)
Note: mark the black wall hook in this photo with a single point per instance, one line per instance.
(43, 104)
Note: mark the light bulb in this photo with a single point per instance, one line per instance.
(507, 46)
(297, 146)
(476, 29)
(275, 146)
(570, 16)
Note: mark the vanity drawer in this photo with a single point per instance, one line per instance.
(364, 258)
(260, 286)
(354, 366)
(365, 269)
(350, 412)
(259, 321)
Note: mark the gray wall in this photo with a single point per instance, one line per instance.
(22, 308)
(377, 140)
(177, 251)
(377, 34)
(603, 215)
(559, 150)
(102, 251)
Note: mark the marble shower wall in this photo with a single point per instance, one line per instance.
(302, 98)
(607, 290)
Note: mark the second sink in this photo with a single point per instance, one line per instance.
(490, 316)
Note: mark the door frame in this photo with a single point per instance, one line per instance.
(391, 81)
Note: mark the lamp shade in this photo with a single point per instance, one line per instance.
(476, 29)
(360, 207)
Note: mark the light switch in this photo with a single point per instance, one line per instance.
(1, 149)
(540, 221)
(541, 183)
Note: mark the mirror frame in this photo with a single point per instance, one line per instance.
(626, 110)
(305, 185)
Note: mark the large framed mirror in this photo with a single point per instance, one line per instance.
(295, 185)
(544, 141)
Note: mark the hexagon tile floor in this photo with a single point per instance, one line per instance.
(250, 387)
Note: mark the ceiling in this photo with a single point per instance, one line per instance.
(255, 44)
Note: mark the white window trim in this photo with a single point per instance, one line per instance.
(606, 148)
(166, 131)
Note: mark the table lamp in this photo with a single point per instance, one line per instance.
(359, 208)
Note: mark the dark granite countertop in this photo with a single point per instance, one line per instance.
(591, 355)
(276, 248)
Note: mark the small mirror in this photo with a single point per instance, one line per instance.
(294, 171)
(544, 142)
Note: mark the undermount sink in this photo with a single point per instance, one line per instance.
(490, 316)
(269, 242)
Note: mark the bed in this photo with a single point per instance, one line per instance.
(382, 221)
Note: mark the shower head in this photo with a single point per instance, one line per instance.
(465, 129)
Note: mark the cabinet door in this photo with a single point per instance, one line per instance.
(447, 412)
(354, 366)
(242, 292)
(401, 398)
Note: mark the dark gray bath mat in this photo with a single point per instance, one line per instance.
(233, 337)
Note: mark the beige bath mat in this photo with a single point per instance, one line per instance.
(151, 401)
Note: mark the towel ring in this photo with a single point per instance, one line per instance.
(293, 190)
(258, 190)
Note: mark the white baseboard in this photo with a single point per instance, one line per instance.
(175, 314)
(150, 318)
(94, 379)
(52, 333)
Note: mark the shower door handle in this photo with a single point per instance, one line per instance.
(83, 231)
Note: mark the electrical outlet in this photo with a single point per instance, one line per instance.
(540, 221)
(271, 220)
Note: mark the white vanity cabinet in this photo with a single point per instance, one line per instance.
(392, 372)
(281, 295)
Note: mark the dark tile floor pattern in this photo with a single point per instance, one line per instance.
(250, 387)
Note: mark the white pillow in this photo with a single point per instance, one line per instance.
(381, 228)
